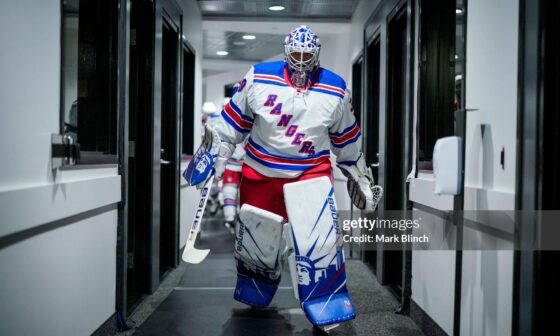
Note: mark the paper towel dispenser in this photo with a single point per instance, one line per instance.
(447, 162)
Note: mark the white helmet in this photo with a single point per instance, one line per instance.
(301, 52)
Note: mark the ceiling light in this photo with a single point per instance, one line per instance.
(276, 8)
(458, 11)
(249, 37)
(222, 53)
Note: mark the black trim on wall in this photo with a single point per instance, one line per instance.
(527, 164)
(123, 150)
(535, 294)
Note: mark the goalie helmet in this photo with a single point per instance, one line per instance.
(301, 53)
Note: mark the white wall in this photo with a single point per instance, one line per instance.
(59, 275)
(491, 87)
(491, 80)
(362, 13)
(60, 281)
(192, 30)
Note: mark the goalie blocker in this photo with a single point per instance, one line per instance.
(314, 251)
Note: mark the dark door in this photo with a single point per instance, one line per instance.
(371, 117)
(536, 296)
(188, 101)
(169, 151)
(372, 114)
(141, 83)
(357, 69)
(547, 295)
(396, 138)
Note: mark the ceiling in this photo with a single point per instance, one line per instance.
(309, 9)
(225, 23)
(262, 47)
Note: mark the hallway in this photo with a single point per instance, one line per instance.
(201, 302)
(435, 121)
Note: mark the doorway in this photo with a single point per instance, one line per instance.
(397, 140)
(169, 151)
(535, 305)
(357, 69)
(187, 118)
(153, 142)
(141, 87)
(371, 120)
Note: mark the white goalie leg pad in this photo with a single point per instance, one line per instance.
(230, 201)
(290, 255)
(258, 240)
(319, 256)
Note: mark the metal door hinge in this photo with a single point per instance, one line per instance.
(64, 151)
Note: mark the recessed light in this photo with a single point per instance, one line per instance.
(249, 37)
(239, 43)
(222, 53)
(458, 11)
(276, 8)
(456, 56)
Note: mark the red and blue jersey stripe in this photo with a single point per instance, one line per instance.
(269, 79)
(233, 116)
(349, 135)
(328, 89)
(329, 83)
(267, 159)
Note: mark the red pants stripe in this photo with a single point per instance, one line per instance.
(267, 192)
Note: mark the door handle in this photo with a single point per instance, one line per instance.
(165, 162)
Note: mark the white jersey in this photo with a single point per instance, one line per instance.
(290, 130)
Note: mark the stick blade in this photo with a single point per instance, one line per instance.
(194, 256)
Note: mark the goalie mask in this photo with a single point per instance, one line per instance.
(301, 53)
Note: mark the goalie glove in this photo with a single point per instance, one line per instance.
(361, 187)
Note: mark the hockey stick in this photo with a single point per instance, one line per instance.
(191, 254)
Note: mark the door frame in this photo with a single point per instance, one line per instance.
(354, 249)
(377, 25)
(529, 179)
(123, 152)
(169, 11)
(185, 46)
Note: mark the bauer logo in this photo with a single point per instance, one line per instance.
(334, 214)
(239, 238)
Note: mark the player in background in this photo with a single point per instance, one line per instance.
(230, 186)
(230, 182)
(292, 115)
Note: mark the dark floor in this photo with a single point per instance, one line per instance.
(201, 304)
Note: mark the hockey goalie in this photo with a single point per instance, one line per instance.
(291, 114)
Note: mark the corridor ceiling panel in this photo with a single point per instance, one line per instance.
(313, 9)
(262, 47)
